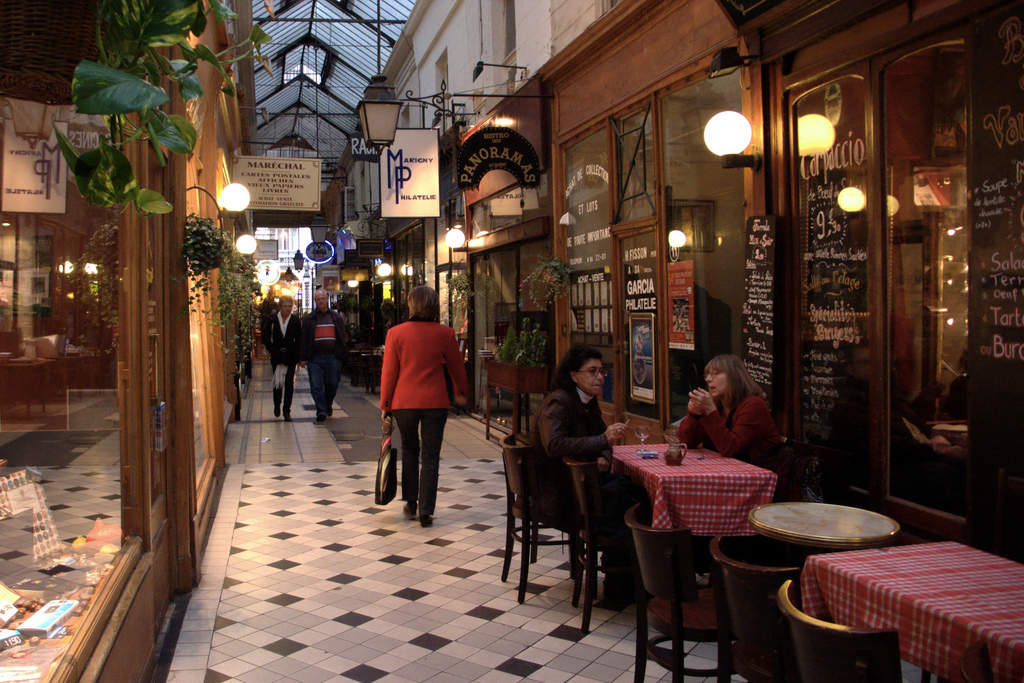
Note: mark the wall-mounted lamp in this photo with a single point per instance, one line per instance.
(384, 269)
(851, 199)
(246, 243)
(479, 68)
(728, 60)
(727, 134)
(455, 238)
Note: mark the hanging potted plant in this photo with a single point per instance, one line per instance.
(548, 281)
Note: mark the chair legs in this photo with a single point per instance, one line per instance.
(510, 539)
(527, 550)
(589, 588)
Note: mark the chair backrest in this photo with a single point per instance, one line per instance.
(750, 596)
(664, 558)
(839, 654)
(549, 491)
(975, 665)
(586, 492)
(1009, 540)
(513, 454)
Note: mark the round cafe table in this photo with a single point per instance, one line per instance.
(821, 525)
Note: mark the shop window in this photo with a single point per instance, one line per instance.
(634, 140)
(588, 234)
(926, 214)
(60, 465)
(704, 217)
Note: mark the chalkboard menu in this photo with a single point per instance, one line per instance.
(759, 303)
(996, 181)
(833, 240)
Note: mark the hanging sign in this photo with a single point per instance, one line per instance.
(362, 151)
(680, 293)
(35, 174)
(493, 148)
(268, 272)
(319, 252)
(409, 184)
(279, 183)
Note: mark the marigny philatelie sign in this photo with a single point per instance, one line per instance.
(409, 185)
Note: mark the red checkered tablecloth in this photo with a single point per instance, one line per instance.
(940, 597)
(709, 497)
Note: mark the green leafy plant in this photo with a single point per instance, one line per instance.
(528, 347)
(546, 282)
(202, 251)
(142, 44)
(460, 288)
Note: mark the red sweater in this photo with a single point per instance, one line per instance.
(749, 433)
(412, 376)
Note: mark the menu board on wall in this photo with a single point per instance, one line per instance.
(759, 303)
(996, 181)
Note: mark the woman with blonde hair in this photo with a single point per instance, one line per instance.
(731, 415)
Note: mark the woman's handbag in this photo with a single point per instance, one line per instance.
(387, 468)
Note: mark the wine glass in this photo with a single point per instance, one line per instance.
(642, 432)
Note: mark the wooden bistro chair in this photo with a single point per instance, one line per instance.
(839, 654)
(664, 565)
(588, 541)
(752, 639)
(519, 457)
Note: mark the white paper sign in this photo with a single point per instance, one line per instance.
(35, 178)
(279, 183)
(409, 184)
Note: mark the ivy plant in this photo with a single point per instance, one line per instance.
(142, 45)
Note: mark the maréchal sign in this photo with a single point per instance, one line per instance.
(280, 183)
(493, 148)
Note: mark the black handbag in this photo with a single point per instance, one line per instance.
(387, 468)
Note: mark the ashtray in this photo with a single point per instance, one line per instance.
(647, 454)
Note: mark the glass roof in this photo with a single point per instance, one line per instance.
(323, 54)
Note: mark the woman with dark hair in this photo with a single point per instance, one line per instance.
(731, 415)
(417, 355)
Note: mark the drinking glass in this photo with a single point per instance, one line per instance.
(642, 432)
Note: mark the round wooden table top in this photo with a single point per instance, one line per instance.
(823, 525)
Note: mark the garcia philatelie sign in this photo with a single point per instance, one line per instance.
(494, 148)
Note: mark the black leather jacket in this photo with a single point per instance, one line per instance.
(565, 426)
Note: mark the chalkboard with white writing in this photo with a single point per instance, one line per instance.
(759, 302)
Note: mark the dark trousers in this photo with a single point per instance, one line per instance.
(323, 381)
(422, 431)
(289, 387)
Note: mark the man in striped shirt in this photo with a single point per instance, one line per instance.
(323, 346)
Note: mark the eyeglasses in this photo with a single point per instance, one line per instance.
(595, 371)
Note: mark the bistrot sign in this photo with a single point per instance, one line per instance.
(409, 185)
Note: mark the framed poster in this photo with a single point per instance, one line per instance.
(641, 357)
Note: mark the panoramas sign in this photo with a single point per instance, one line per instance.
(409, 184)
(279, 183)
(495, 148)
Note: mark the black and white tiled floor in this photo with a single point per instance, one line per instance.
(305, 579)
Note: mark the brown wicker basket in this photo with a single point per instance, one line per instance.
(41, 43)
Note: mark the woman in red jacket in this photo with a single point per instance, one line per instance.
(731, 415)
(414, 390)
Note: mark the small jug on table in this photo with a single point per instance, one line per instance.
(676, 450)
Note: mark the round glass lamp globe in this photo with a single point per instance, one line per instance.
(455, 238)
(353, 283)
(728, 132)
(245, 244)
(851, 199)
(234, 197)
(384, 270)
(676, 239)
(815, 134)
(892, 205)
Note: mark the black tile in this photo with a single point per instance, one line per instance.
(429, 641)
(479, 527)
(382, 532)
(410, 594)
(280, 494)
(283, 564)
(235, 550)
(474, 481)
(228, 583)
(318, 470)
(484, 460)
(492, 496)
(566, 632)
(459, 467)
(284, 599)
(444, 489)
(281, 477)
(440, 542)
(364, 673)
(459, 506)
(12, 555)
(343, 578)
(496, 553)
(395, 559)
(243, 504)
(363, 492)
(482, 612)
(309, 406)
(324, 501)
(76, 489)
(239, 525)
(280, 464)
(353, 619)
(112, 496)
(282, 513)
(215, 677)
(329, 522)
(282, 535)
(356, 476)
(564, 567)
(59, 506)
(284, 647)
(222, 622)
(320, 485)
(336, 547)
(246, 486)
(98, 515)
(371, 511)
(535, 588)
(460, 572)
(518, 667)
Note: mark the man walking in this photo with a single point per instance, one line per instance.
(281, 335)
(323, 345)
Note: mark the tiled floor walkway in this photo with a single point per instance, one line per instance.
(305, 579)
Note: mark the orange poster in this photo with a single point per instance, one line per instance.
(680, 293)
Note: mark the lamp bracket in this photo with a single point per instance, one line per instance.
(751, 161)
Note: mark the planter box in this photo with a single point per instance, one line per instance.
(519, 379)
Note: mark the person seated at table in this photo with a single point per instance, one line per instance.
(569, 424)
(731, 415)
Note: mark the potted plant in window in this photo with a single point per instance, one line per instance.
(521, 363)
